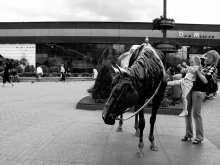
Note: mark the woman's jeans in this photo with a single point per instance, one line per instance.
(195, 100)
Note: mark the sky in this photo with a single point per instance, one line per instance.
(182, 11)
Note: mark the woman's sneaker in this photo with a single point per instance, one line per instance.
(184, 113)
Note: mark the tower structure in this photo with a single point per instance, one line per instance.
(163, 23)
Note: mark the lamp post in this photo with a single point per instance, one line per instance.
(165, 16)
(163, 23)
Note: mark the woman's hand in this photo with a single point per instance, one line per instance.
(179, 66)
(184, 64)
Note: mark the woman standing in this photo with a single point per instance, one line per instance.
(196, 96)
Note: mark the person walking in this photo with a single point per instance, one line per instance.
(39, 73)
(14, 75)
(7, 76)
(95, 74)
(196, 96)
(62, 71)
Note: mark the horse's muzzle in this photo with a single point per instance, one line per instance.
(108, 119)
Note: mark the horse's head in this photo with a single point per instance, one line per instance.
(123, 96)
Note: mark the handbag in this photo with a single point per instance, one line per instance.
(212, 86)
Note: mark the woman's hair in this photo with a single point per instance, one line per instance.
(202, 61)
(197, 60)
(214, 55)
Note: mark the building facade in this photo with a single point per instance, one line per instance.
(82, 46)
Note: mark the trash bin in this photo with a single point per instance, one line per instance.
(177, 92)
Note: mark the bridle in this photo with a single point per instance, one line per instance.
(127, 81)
(131, 82)
(143, 106)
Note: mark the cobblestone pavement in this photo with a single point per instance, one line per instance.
(39, 125)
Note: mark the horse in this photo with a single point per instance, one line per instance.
(124, 61)
(134, 85)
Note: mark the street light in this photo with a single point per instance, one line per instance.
(165, 16)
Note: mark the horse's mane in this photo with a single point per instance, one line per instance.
(146, 65)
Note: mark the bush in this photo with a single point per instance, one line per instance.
(27, 74)
(54, 69)
(103, 84)
(74, 74)
(19, 69)
(86, 74)
(29, 68)
(1, 71)
(1, 68)
(45, 69)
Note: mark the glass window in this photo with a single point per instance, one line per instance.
(79, 57)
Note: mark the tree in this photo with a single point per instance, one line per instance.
(103, 84)
(24, 61)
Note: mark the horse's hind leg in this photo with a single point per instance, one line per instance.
(119, 129)
(153, 146)
(156, 104)
(140, 152)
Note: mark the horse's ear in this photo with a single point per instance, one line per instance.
(115, 69)
(121, 70)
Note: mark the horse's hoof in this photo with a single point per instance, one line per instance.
(119, 129)
(140, 154)
(137, 133)
(153, 148)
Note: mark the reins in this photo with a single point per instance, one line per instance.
(143, 106)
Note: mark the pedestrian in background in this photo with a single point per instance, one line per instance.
(14, 75)
(39, 73)
(95, 74)
(67, 73)
(213, 84)
(7, 76)
(62, 71)
(196, 96)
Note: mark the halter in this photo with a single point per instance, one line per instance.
(143, 106)
(126, 80)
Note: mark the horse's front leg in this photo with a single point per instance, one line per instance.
(140, 152)
(119, 129)
(136, 126)
(153, 146)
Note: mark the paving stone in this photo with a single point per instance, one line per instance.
(40, 124)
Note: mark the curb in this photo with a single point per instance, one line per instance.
(52, 79)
